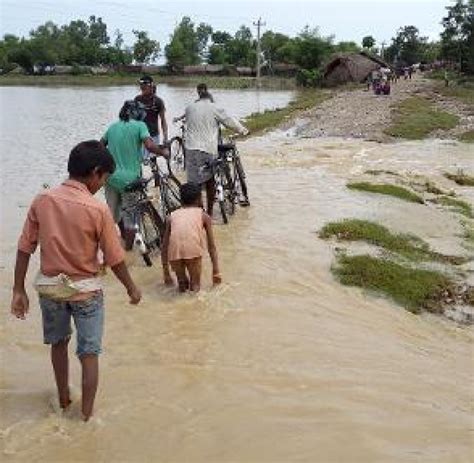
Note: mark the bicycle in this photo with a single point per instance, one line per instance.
(169, 185)
(239, 183)
(177, 154)
(147, 222)
(149, 225)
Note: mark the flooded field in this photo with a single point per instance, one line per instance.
(279, 363)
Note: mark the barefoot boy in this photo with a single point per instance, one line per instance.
(70, 226)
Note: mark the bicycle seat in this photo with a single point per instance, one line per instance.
(137, 185)
(226, 147)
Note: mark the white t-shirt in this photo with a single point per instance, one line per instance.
(202, 125)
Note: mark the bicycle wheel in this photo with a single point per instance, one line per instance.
(225, 192)
(240, 182)
(177, 160)
(152, 228)
(170, 195)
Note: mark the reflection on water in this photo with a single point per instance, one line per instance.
(280, 363)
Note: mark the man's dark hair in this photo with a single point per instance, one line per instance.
(88, 156)
(146, 80)
(203, 92)
(190, 193)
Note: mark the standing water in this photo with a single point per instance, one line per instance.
(279, 363)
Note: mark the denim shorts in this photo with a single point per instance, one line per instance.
(88, 318)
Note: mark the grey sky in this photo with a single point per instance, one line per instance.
(346, 19)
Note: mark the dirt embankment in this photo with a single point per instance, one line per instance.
(362, 114)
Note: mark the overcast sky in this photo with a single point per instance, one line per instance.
(346, 19)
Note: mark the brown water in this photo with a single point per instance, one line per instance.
(280, 363)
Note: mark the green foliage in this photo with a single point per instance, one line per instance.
(415, 118)
(145, 49)
(309, 77)
(387, 189)
(368, 42)
(467, 137)
(79, 42)
(188, 44)
(461, 178)
(457, 205)
(407, 47)
(346, 47)
(457, 38)
(414, 289)
(409, 246)
(306, 99)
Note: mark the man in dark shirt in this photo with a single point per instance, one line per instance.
(155, 110)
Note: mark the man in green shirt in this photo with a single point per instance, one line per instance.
(125, 140)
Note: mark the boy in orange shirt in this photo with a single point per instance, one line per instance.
(70, 225)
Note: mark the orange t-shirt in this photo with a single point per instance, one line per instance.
(70, 226)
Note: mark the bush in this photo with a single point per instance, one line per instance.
(309, 78)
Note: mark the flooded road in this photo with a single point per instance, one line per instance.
(279, 363)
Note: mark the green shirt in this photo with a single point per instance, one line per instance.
(124, 141)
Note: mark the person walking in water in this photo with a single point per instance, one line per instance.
(202, 135)
(70, 226)
(155, 109)
(125, 139)
(188, 232)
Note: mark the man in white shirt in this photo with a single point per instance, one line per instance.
(202, 134)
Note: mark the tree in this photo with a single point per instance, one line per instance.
(273, 47)
(368, 42)
(407, 46)
(310, 49)
(346, 47)
(457, 39)
(188, 44)
(145, 49)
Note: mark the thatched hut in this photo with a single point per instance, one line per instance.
(351, 67)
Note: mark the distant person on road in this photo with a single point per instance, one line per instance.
(70, 225)
(446, 78)
(155, 110)
(202, 137)
(188, 233)
(125, 140)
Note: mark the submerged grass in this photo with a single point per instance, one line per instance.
(415, 118)
(467, 137)
(305, 99)
(408, 246)
(415, 289)
(461, 178)
(387, 189)
(462, 207)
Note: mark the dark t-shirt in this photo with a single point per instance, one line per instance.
(154, 105)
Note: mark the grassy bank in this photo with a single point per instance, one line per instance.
(305, 99)
(461, 178)
(415, 118)
(415, 289)
(409, 246)
(457, 205)
(131, 79)
(387, 189)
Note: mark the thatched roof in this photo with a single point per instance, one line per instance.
(351, 67)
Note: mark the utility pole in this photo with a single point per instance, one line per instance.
(382, 50)
(258, 25)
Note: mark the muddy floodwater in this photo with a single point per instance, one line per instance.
(279, 363)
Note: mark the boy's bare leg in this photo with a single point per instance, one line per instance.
(180, 270)
(60, 361)
(194, 267)
(90, 379)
